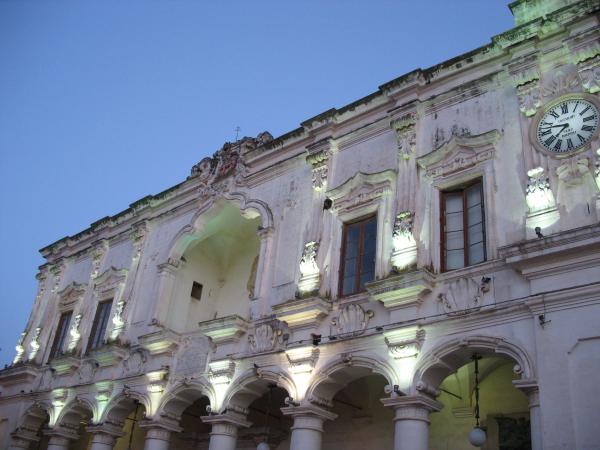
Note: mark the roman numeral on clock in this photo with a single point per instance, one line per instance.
(583, 112)
(588, 118)
(587, 128)
(553, 114)
(546, 132)
(564, 108)
(558, 144)
(550, 140)
(569, 144)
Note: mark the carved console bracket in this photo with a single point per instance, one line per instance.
(404, 343)
(302, 313)
(221, 372)
(403, 290)
(302, 359)
(224, 330)
(318, 157)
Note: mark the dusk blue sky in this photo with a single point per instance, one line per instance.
(105, 102)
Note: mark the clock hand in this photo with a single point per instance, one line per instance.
(566, 125)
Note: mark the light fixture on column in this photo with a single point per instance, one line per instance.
(477, 435)
(264, 444)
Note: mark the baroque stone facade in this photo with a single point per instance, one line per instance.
(231, 312)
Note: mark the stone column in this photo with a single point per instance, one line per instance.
(307, 431)
(531, 390)
(263, 271)
(411, 421)
(166, 282)
(19, 442)
(223, 435)
(104, 436)
(60, 438)
(157, 435)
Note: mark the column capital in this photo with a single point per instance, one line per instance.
(159, 430)
(229, 418)
(416, 407)
(309, 410)
(61, 435)
(20, 439)
(105, 433)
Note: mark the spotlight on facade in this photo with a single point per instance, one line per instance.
(538, 232)
(328, 203)
(395, 389)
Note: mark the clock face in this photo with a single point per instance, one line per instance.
(568, 125)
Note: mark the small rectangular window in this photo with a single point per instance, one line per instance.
(99, 325)
(196, 290)
(463, 227)
(61, 334)
(358, 255)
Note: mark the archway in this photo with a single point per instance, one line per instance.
(353, 390)
(217, 271)
(506, 413)
(127, 412)
(28, 433)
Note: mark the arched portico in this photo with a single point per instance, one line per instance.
(30, 425)
(446, 373)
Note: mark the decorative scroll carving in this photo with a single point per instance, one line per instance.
(589, 71)
(134, 365)
(303, 359)
(318, 157)
(138, 237)
(571, 173)
(34, 344)
(57, 272)
(266, 337)
(539, 196)
(361, 191)
(75, 334)
(20, 348)
(463, 295)
(309, 271)
(98, 253)
(406, 136)
(404, 253)
(352, 319)
(117, 320)
(560, 83)
(404, 343)
(221, 372)
(71, 295)
(530, 98)
(597, 171)
(110, 284)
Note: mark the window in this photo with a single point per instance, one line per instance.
(61, 334)
(196, 290)
(463, 227)
(358, 255)
(99, 326)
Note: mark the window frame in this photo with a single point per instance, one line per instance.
(465, 223)
(91, 345)
(364, 220)
(60, 335)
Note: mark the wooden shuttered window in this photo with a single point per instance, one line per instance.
(99, 325)
(358, 255)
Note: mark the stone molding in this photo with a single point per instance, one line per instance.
(308, 416)
(302, 313)
(224, 329)
(412, 407)
(362, 191)
(226, 424)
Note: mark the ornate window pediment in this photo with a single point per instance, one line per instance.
(458, 155)
(110, 283)
(362, 191)
(71, 295)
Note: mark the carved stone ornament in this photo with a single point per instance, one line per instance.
(221, 372)
(266, 336)
(460, 153)
(118, 322)
(138, 237)
(597, 171)
(74, 333)
(98, 253)
(352, 319)
(34, 344)
(71, 295)
(539, 196)
(309, 271)
(571, 173)
(560, 83)
(589, 71)
(134, 365)
(318, 157)
(361, 192)
(302, 359)
(87, 370)
(530, 97)
(406, 135)
(20, 348)
(57, 272)
(404, 343)
(110, 283)
(191, 356)
(463, 296)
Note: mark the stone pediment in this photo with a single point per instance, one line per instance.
(458, 154)
(110, 282)
(361, 190)
(71, 294)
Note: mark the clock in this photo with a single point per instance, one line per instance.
(566, 124)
